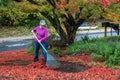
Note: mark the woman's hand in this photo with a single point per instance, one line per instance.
(35, 36)
(39, 41)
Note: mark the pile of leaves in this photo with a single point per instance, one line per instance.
(17, 65)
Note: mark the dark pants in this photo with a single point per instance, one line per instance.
(37, 46)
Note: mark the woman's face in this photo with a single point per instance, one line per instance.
(42, 26)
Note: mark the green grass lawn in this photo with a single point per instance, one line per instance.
(18, 31)
(14, 31)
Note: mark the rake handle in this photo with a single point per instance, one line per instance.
(40, 42)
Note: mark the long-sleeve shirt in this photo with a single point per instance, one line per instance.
(41, 33)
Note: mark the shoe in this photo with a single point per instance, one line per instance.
(35, 60)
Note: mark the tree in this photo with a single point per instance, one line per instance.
(5, 3)
(113, 12)
(66, 16)
(106, 3)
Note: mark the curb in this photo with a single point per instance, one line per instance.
(16, 38)
(90, 31)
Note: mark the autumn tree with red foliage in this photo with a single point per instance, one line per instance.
(66, 16)
(106, 3)
(111, 10)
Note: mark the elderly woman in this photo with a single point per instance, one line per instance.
(41, 33)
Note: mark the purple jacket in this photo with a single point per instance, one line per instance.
(41, 33)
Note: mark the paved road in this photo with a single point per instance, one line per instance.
(10, 43)
(94, 35)
(15, 44)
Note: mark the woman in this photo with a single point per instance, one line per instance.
(41, 33)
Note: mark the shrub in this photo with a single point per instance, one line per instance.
(30, 50)
(85, 39)
(10, 16)
(55, 50)
(75, 47)
(115, 57)
(20, 14)
(111, 60)
(95, 56)
(105, 49)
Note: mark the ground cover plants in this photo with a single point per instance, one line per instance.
(106, 49)
(7, 31)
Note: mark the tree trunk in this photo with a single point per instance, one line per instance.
(57, 25)
(71, 24)
(62, 35)
(71, 36)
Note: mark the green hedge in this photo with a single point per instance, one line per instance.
(20, 14)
